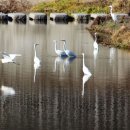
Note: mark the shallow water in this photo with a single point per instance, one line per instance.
(55, 96)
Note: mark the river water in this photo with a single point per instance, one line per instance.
(55, 96)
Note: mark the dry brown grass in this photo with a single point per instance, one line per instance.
(7, 6)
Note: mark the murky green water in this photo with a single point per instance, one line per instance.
(54, 95)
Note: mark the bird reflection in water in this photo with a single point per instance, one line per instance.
(7, 91)
(67, 62)
(58, 60)
(95, 53)
(112, 54)
(87, 74)
(84, 79)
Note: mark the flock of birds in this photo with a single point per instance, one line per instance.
(9, 58)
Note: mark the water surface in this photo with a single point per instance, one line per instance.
(55, 96)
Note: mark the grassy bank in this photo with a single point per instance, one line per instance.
(70, 6)
(112, 34)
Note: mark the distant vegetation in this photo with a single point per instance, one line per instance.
(70, 6)
(7, 6)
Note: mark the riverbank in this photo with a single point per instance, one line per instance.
(111, 34)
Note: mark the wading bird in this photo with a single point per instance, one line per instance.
(36, 61)
(59, 52)
(11, 56)
(68, 52)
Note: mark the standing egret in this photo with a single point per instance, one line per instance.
(36, 61)
(68, 52)
(59, 52)
(95, 44)
(116, 17)
(85, 69)
(113, 15)
(11, 56)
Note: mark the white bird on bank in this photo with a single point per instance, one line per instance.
(116, 16)
(113, 15)
(59, 52)
(95, 44)
(6, 91)
(85, 69)
(68, 52)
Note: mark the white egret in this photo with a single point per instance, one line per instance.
(68, 52)
(8, 60)
(84, 79)
(36, 61)
(85, 69)
(95, 44)
(116, 16)
(11, 56)
(6, 91)
(113, 15)
(59, 52)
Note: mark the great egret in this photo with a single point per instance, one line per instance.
(113, 15)
(59, 52)
(116, 17)
(8, 60)
(6, 91)
(36, 61)
(11, 56)
(95, 44)
(68, 52)
(84, 79)
(85, 69)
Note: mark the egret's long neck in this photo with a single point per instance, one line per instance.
(34, 50)
(95, 37)
(64, 46)
(83, 60)
(55, 46)
(111, 10)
